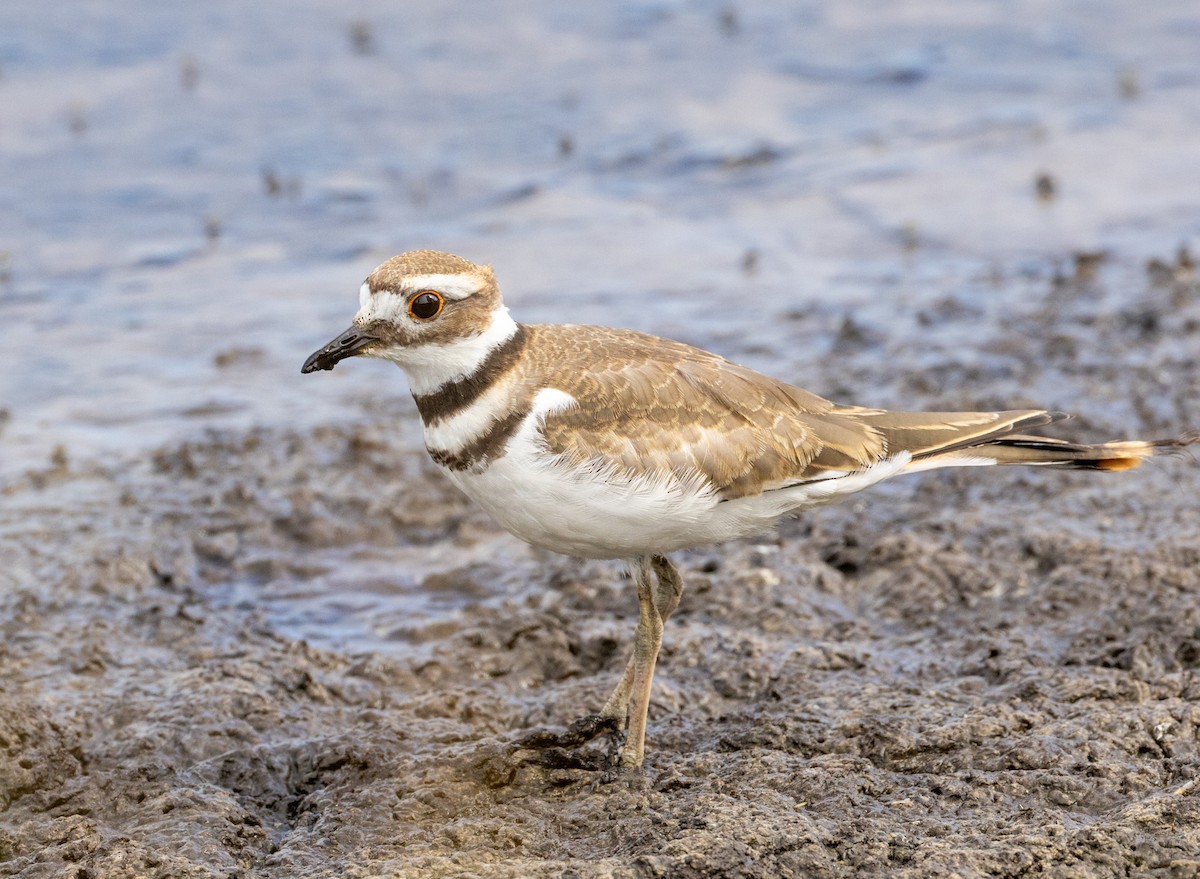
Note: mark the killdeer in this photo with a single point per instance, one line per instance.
(612, 444)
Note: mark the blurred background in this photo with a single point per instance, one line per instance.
(192, 193)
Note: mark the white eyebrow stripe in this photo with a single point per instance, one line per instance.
(451, 286)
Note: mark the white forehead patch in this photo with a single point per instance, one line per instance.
(364, 294)
(383, 305)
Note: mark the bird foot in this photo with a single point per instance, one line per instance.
(563, 749)
(580, 732)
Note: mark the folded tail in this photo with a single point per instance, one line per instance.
(1050, 452)
(1122, 455)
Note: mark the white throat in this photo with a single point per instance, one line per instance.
(432, 365)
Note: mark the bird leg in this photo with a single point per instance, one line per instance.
(647, 639)
(666, 599)
(627, 706)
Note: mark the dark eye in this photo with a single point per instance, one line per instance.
(426, 305)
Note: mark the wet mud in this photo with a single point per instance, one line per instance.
(959, 674)
(246, 630)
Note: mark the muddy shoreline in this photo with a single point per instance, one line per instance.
(247, 631)
(951, 675)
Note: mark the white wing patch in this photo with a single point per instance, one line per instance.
(549, 401)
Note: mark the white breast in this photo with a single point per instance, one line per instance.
(587, 511)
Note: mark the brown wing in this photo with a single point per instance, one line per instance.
(649, 405)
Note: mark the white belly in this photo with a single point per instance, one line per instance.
(585, 512)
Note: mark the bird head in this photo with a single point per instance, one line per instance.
(425, 311)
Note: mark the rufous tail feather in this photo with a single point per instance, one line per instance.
(1049, 452)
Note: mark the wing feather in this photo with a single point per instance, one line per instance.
(649, 407)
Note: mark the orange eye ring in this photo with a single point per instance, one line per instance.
(426, 305)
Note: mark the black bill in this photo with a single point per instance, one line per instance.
(346, 345)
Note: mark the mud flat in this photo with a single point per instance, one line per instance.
(245, 629)
(961, 674)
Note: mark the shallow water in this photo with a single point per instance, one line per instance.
(621, 165)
